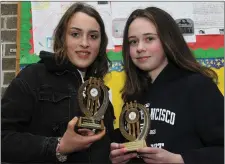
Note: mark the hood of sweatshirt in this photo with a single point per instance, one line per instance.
(52, 65)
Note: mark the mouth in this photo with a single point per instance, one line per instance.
(143, 58)
(83, 54)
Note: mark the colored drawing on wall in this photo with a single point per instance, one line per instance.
(26, 36)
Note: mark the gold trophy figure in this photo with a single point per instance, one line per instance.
(129, 124)
(89, 101)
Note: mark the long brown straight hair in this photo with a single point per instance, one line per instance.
(173, 43)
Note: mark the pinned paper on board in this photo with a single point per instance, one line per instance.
(208, 14)
(209, 31)
(117, 30)
(186, 25)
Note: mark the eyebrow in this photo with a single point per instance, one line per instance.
(75, 28)
(142, 34)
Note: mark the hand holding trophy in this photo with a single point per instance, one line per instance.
(89, 101)
(129, 124)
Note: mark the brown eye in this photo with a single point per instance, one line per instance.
(75, 34)
(94, 37)
(149, 38)
(132, 42)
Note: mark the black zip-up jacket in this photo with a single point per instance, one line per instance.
(187, 116)
(36, 108)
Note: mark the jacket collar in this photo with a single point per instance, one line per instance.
(48, 58)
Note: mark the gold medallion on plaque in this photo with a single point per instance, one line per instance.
(130, 125)
(89, 101)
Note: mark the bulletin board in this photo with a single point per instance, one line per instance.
(208, 47)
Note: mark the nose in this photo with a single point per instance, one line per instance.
(140, 47)
(84, 42)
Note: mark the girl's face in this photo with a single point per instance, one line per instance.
(146, 50)
(83, 38)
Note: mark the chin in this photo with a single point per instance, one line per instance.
(145, 68)
(82, 66)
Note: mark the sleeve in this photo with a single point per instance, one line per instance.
(208, 108)
(18, 145)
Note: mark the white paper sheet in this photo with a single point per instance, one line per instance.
(45, 16)
(208, 14)
(190, 38)
(106, 14)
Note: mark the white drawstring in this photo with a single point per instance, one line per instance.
(82, 78)
(82, 74)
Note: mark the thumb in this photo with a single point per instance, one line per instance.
(72, 123)
(96, 137)
(114, 146)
